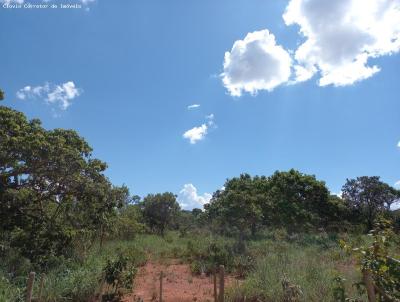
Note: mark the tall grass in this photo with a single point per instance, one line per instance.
(309, 261)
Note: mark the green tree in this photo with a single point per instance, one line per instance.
(285, 199)
(368, 197)
(160, 211)
(51, 189)
(129, 222)
(238, 206)
(1, 95)
(297, 200)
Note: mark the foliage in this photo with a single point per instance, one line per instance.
(160, 211)
(70, 279)
(290, 199)
(51, 188)
(309, 266)
(1, 95)
(129, 222)
(207, 255)
(368, 197)
(119, 274)
(376, 259)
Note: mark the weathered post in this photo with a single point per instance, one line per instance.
(215, 285)
(42, 277)
(161, 280)
(369, 285)
(221, 283)
(29, 288)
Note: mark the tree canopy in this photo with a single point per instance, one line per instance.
(50, 186)
(368, 197)
(285, 199)
(160, 210)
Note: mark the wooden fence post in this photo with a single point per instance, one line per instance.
(221, 283)
(161, 280)
(369, 285)
(215, 285)
(29, 288)
(42, 277)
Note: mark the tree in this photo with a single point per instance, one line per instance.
(129, 222)
(160, 210)
(51, 189)
(297, 200)
(285, 199)
(1, 95)
(368, 197)
(238, 206)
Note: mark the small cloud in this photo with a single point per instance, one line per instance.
(62, 94)
(210, 120)
(398, 144)
(196, 133)
(189, 199)
(340, 194)
(397, 184)
(199, 133)
(194, 106)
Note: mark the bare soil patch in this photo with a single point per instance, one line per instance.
(179, 285)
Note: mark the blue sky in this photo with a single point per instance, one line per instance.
(123, 73)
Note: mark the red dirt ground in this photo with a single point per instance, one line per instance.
(179, 285)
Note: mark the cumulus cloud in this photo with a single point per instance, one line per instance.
(60, 95)
(340, 39)
(189, 199)
(193, 106)
(255, 63)
(196, 133)
(398, 144)
(199, 133)
(341, 36)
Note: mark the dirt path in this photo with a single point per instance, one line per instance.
(179, 284)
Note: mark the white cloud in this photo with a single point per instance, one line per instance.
(398, 144)
(255, 63)
(340, 194)
(210, 120)
(194, 106)
(397, 184)
(196, 133)
(341, 36)
(189, 199)
(61, 95)
(395, 206)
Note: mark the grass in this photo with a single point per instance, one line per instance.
(312, 268)
(308, 261)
